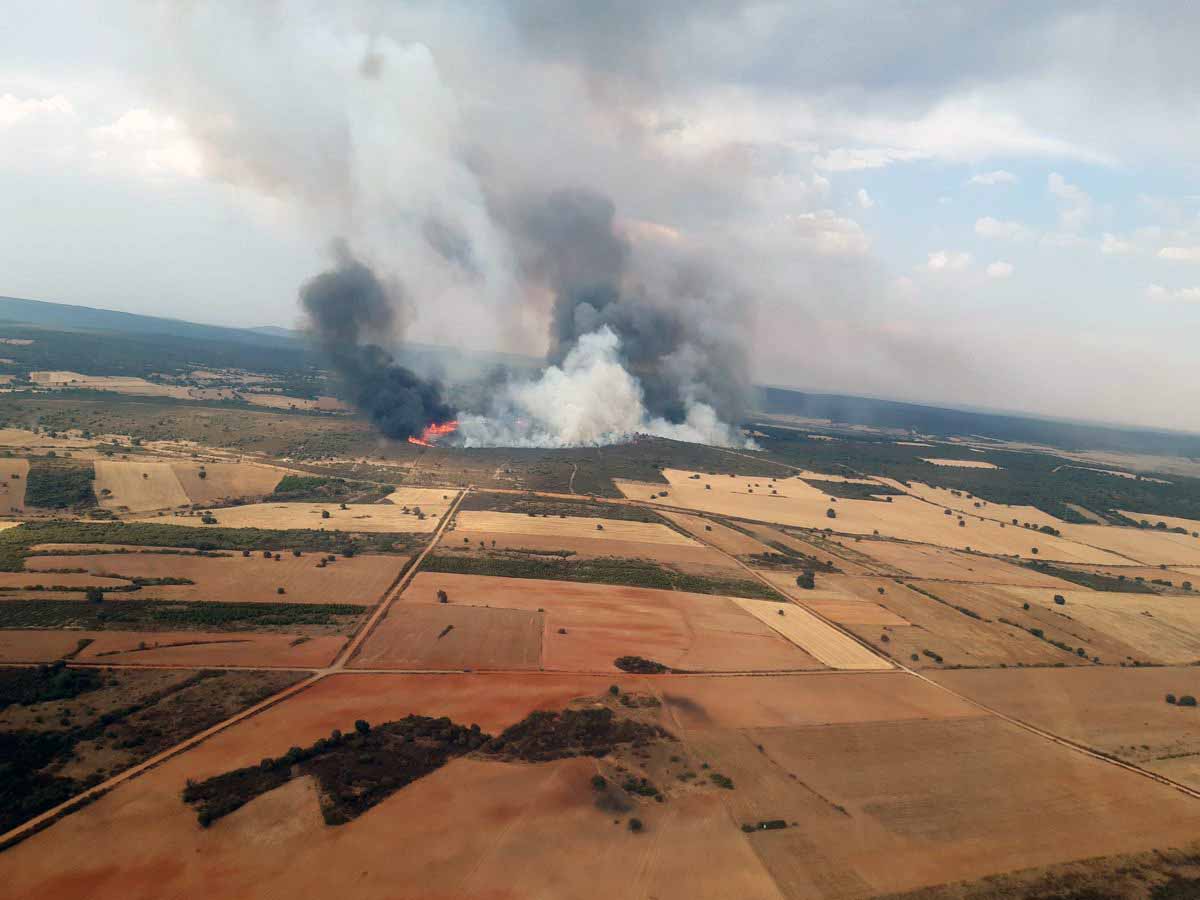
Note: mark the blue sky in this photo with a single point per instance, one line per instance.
(952, 202)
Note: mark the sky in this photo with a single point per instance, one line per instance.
(988, 204)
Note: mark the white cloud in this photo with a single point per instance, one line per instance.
(1062, 239)
(946, 261)
(1111, 245)
(855, 159)
(996, 228)
(1075, 205)
(864, 199)
(1180, 254)
(148, 144)
(904, 288)
(999, 269)
(828, 234)
(15, 109)
(1156, 293)
(999, 176)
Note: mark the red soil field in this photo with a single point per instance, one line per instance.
(695, 632)
(442, 636)
(173, 648)
(471, 829)
(254, 579)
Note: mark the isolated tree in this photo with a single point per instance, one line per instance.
(831, 513)
(806, 581)
(324, 514)
(443, 597)
(202, 474)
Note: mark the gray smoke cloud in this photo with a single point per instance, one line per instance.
(348, 309)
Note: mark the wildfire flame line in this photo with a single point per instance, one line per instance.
(433, 431)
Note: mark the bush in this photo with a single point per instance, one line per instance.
(280, 590)
(635, 825)
(598, 783)
(95, 595)
(614, 690)
(1060, 599)
(831, 513)
(1187, 700)
(1171, 699)
(362, 726)
(324, 514)
(806, 581)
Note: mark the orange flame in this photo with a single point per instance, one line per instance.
(433, 431)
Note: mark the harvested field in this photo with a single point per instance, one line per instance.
(1189, 525)
(486, 819)
(282, 401)
(817, 638)
(948, 624)
(226, 481)
(573, 527)
(817, 551)
(1160, 628)
(199, 649)
(138, 486)
(962, 463)
(1137, 545)
(365, 517)
(963, 502)
(906, 518)
(986, 798)
(695, 632)
(18, 580)
(13, 475)
(361, 579)
(442, 636)
(723, 537)
(940, 563)
(1117, 711)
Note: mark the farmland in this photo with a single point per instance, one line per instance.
(850, 666)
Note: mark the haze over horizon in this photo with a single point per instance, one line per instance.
(967, 204)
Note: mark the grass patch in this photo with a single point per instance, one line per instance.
(551, 507)
(323, 489)
(43, 683)
(1092, 580)
(602, 570)
(60, 484)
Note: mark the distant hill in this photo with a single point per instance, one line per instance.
(65, 317)
(847, 410)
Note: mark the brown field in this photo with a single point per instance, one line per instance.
(17, 580)
(892, 785)
(138, 486)
(1160, 628)
(906, 518)
(939, 563)
(361, 579)
(571, 527)
(817, 638)
(364, 517)
(962, 463)
(13, 475)
(696, 559)
(720, 536)
(695, 632)
(173, 648)
(471, 829)
(1120, 712)
(413, 636)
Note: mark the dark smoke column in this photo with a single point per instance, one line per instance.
(347, 306)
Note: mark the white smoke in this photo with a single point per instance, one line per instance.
(590, 400)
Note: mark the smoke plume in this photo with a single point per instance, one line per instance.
(343, 305)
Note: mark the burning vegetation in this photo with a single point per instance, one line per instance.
(432, 432)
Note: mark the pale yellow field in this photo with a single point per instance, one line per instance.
(138, 486)
(1148, 546)
(223, 481)
(949, 565)
(20, 437)
(1164, 628)
(1172, 521)
(816, 638)
(573, 526)
(907, 518)
(368, 517)
(962, 463)
(1000, 511)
